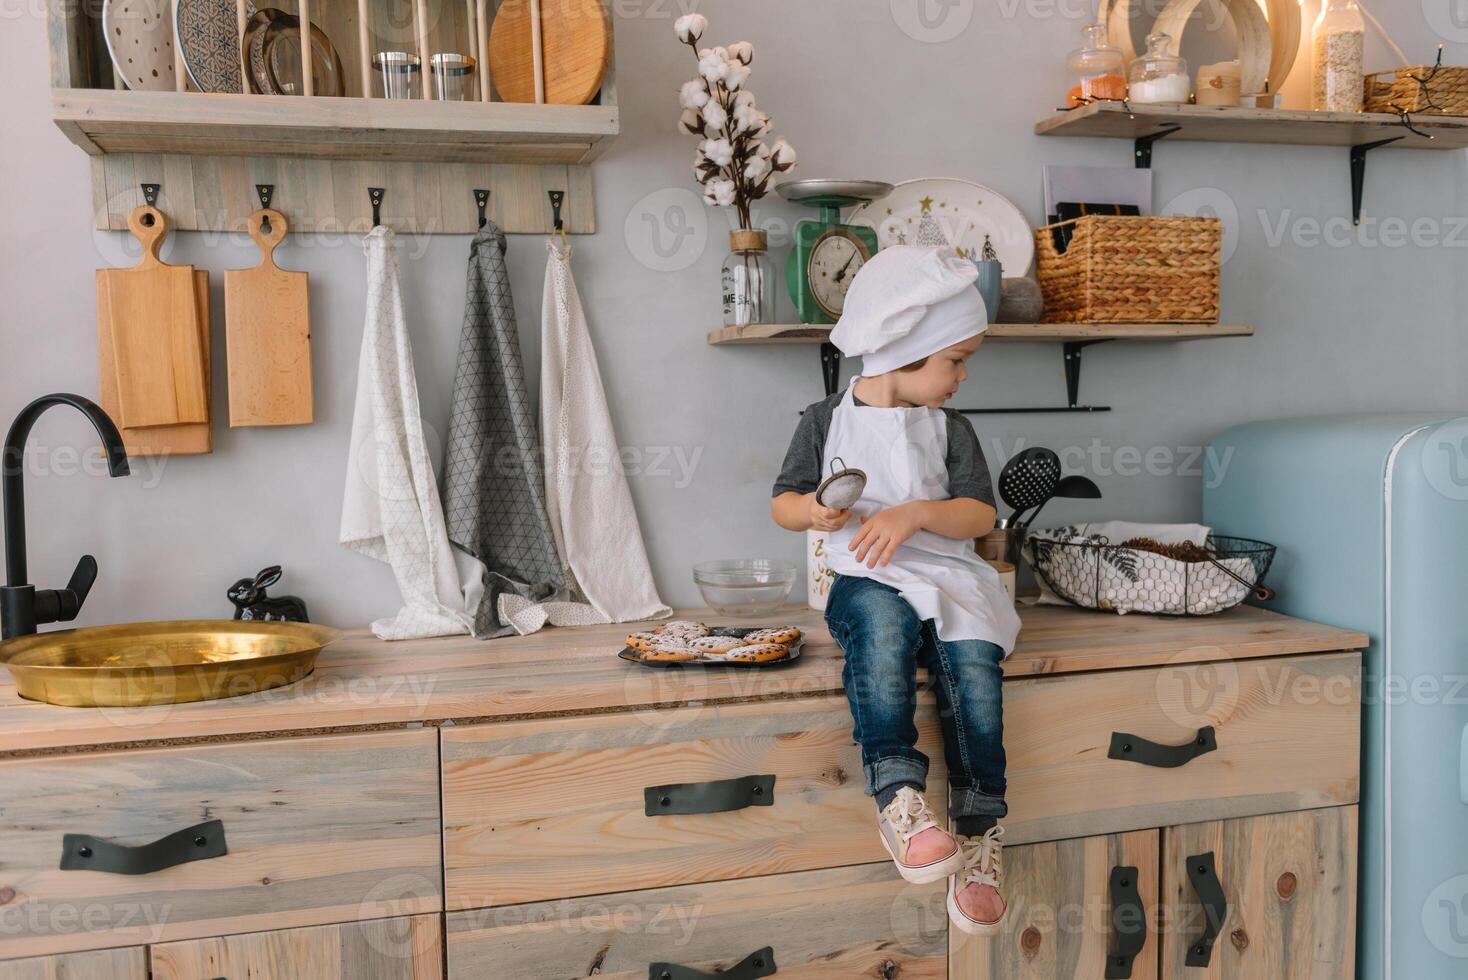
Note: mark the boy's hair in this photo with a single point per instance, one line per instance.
(915, 364)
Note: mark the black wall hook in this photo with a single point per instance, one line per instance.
(481, 198)
(265, 192)
(375, 195)
(557, 198)
(150, 194)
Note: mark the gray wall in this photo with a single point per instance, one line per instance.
(1364, 324)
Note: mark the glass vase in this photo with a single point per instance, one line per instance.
(748, 280)
(1337, 75)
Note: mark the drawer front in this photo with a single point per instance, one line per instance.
(833, 924)
(557, 808)
(316, 830)
(405, 948)
(1286, 731)
(1288, 881)
(100, 964)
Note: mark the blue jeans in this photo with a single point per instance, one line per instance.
(885, 643)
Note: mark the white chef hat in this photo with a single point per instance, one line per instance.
(907, 302)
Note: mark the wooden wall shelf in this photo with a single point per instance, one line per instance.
(102, 121)
(1217, 124)
(208, 151)
(812, 333)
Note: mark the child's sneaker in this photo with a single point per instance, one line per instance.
(922, 850)
(974, 903)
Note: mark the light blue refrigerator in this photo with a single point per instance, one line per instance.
(1370, 514)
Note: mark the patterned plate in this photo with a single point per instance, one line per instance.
(209, 36)
(140, 42)
(942, 211)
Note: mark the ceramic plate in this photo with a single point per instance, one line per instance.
(140, 41)
(947, 211)
(209, 36)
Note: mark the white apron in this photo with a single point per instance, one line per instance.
(904, 452)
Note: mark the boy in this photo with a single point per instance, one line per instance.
(910, 590)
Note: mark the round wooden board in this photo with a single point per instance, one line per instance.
(576, 36)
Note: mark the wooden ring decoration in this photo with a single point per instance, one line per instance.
(1257, 62)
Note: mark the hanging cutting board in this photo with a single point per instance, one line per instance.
(576, 41)
(153, 316)
(162, 440)
(268, 335)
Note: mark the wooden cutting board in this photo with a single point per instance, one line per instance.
(268, 335)
(576, 38)
(164, 440)
(153, 316)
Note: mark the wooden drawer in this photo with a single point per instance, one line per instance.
(318, 830)
(1062, 921)
(555, 808)
(1289, 881)
(834, 924)
(1287, 732)
(406, 948)
(100, 964)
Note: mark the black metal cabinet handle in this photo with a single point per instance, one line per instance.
(1128, 923)
(83, 852)
(760, 963)
(1132, 748)
(714, 796)
(1204, 876)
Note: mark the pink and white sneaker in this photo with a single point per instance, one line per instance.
(922, 850)
(974, 903)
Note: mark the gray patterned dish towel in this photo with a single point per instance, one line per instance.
(493, 486)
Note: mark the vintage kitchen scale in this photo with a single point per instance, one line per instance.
(827, 254)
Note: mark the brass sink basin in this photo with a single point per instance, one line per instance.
(136, 664)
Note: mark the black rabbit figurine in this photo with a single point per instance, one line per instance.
(250, 601)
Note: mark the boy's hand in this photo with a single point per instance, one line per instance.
(827, 518)
(881, 533)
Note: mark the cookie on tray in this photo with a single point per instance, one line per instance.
(714, 645)
(778, 634)
(758, 652)
(670, 653)
(685, 628)
(644, 640)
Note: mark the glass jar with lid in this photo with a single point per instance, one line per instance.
(1338, 41)
(1160, 75)
(1098, 65)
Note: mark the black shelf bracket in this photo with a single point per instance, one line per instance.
(1072, 362)
(1358, 174)
(830, 366)
(1142, 146)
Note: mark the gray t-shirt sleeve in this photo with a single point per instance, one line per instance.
(968, 471)
(801, 471)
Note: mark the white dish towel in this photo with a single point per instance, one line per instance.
(391, 509)
(608, 579)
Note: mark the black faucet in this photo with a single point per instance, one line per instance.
(22, 607)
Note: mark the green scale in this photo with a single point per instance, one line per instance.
(826, 254)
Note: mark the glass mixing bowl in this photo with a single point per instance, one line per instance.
(745, 587)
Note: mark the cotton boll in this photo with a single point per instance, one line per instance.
(736, 73)
(744, 98)
(783, 155)
(746, 118)
(742, 51)
(714, 116)
(690, 27)
(719, 192)
(756, 167)
(691, 122)
(718, 151)
(712, 66)
(760, 149)
(693, 95)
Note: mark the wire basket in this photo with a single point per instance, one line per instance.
(1093, 573)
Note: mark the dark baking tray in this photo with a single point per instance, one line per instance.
(630, 654)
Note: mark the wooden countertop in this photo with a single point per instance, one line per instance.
(361, 682)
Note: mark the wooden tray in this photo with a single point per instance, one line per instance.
(629, 654)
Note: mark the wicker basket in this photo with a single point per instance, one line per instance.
(1121, 269)
(1447, 91)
